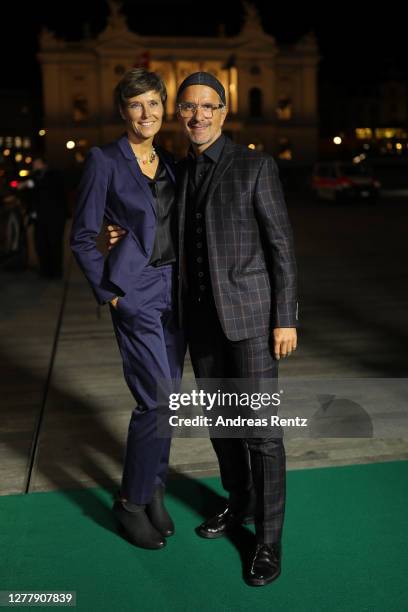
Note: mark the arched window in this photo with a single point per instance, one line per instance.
(255, 102)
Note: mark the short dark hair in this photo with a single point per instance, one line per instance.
(138, 81)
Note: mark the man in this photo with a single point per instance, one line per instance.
(48, 208)
(237, 263)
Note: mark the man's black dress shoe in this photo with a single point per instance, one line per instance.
(158, 515)
(218, 525)
(135, 526)
(265, 566)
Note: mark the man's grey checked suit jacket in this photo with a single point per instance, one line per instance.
(250, 245)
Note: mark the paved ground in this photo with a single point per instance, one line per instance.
(65, 406)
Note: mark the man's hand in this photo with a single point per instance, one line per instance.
(284, 341)
(113, 234)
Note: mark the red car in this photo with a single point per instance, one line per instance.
(342, 181)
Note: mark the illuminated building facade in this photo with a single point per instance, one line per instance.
(272, 91)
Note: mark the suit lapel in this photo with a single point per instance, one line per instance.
(133, 166)
(219, 171)
(168, 162)
(181, 201)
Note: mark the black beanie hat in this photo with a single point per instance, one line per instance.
(203, 78)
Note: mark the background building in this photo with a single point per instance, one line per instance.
(17, 119)
(369, 115)
(272, 91)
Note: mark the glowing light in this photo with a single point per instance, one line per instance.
(79, 157)
(6, 152)
(18, 157)
(398, 146)
(251, 146)
(337, 140)
(14, 184)
(287, 154)
(359, 158)
(364, 133)
(70, 144)
(28, 160)
(42, 133)
(23, 173)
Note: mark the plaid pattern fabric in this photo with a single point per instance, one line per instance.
(254, 461)
(268, 467)
(250, 246)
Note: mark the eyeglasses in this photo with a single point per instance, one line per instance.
(189, 109)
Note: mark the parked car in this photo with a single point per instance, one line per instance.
(343, 181)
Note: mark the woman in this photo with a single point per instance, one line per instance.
(130, 183)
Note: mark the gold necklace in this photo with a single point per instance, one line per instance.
(150, 160)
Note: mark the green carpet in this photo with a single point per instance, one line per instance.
(345, 548)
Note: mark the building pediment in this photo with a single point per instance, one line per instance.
(259, 44)
(117, 41)
(116, 35)
(252, 36)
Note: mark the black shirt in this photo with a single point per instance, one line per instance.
(200, 172)
(163, 191)
(199, 166)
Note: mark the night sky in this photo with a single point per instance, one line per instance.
(355, 43)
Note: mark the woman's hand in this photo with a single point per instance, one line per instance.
(113, 234)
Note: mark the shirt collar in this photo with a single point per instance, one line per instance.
(213, 152)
